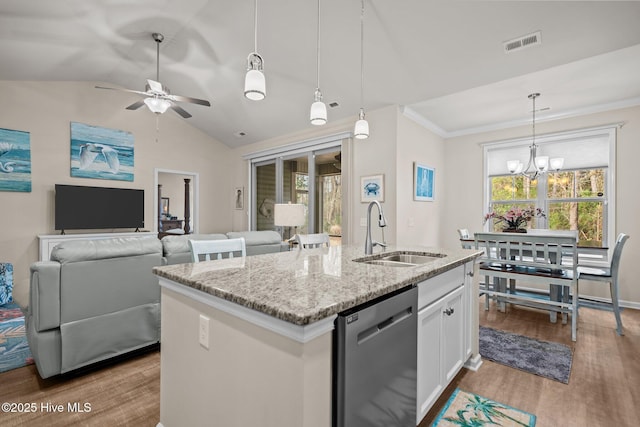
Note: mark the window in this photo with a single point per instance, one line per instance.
(308, 173)
(578, 197)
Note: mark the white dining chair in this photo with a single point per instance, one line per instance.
(608, 275)
(318, 240)
(465, 235)
(206, 250)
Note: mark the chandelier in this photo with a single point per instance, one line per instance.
(537, 165)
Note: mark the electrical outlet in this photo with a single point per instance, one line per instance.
(363, 222)
(203, 331)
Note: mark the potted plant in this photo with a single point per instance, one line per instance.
(515, 219)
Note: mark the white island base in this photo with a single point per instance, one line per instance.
(249, 376)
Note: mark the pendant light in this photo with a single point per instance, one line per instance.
(254, 83)
(537, 165)
(318, 112)
(361, 129)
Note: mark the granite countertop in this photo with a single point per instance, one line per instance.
(305, 286)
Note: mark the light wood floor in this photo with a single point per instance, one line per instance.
(603, 390)
(604, 386)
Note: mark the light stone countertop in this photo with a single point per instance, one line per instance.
(305, 286)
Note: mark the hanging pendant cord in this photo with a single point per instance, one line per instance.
(255, 27)
(318, 50)
(362, 56)
(157, 61)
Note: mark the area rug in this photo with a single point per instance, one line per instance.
(470, 410)
(544, 358)
(14, 348)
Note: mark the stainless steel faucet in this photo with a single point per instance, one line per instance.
(382, 222)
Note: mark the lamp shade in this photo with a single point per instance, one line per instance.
(288, 214)
(318, 113)
(361, 129)
(157, 105)
(255, 87)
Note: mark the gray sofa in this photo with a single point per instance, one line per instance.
(95, 299)
(176, 248)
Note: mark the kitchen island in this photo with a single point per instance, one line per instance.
(248, 341)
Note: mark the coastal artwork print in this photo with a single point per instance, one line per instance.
(423, 182)
(101, 153)
(372, 188)
(15, 161)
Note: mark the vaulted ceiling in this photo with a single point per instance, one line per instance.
(443, 61)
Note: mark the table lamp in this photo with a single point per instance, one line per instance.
(288, 215)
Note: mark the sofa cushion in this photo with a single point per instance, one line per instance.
(88, 250)
(172, 245)
(256, 238)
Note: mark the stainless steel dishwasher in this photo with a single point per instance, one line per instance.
(375, 350)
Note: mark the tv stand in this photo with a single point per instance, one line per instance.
(49, 241)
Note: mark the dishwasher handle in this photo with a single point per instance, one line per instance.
(374, 330)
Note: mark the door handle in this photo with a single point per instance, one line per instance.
(449, 311)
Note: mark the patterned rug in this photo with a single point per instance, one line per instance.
(14, 349)
(546, 359)
(470, 410)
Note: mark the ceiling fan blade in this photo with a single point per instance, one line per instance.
(124, 90)
(156, 86)
(188, 99)
(136, 105)
(180, 111)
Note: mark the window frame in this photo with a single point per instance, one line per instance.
(609, 132)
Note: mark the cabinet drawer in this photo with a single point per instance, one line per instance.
(438, 286)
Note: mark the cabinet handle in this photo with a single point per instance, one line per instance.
(470, 273)
(449, 311)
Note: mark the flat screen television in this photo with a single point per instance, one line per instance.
(83, 208)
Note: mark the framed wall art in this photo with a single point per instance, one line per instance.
(238, 196)
(372, 188)
(423, 182)
(15, 161)
(101, 153)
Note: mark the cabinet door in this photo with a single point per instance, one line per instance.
(453, 335)
(429, 357)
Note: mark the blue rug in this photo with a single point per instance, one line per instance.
(14, 348)
(470, 410)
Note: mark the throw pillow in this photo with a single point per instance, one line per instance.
(6, 283)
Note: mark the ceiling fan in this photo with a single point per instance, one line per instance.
(157, 96)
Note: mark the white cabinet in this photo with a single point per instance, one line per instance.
(469, 310)
(443, 335)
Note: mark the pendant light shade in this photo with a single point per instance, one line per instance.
(157, 105)
(255, 87)
(318, 113)
(361, 129)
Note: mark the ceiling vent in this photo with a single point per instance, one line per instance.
(523, 42)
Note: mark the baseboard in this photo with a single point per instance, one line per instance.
(473, 363)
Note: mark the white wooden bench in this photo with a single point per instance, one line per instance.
(524, 258)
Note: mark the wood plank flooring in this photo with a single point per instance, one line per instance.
(604, 386)
(603, 390)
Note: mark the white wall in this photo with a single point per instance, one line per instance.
(463, 186)
(45, 110)
(418, 222)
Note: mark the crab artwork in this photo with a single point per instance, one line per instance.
(371, 189)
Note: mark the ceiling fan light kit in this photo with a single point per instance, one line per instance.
(158, 98)
(255, 86)
(157, 105)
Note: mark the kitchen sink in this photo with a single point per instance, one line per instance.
(410, 258)
(401, 259)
